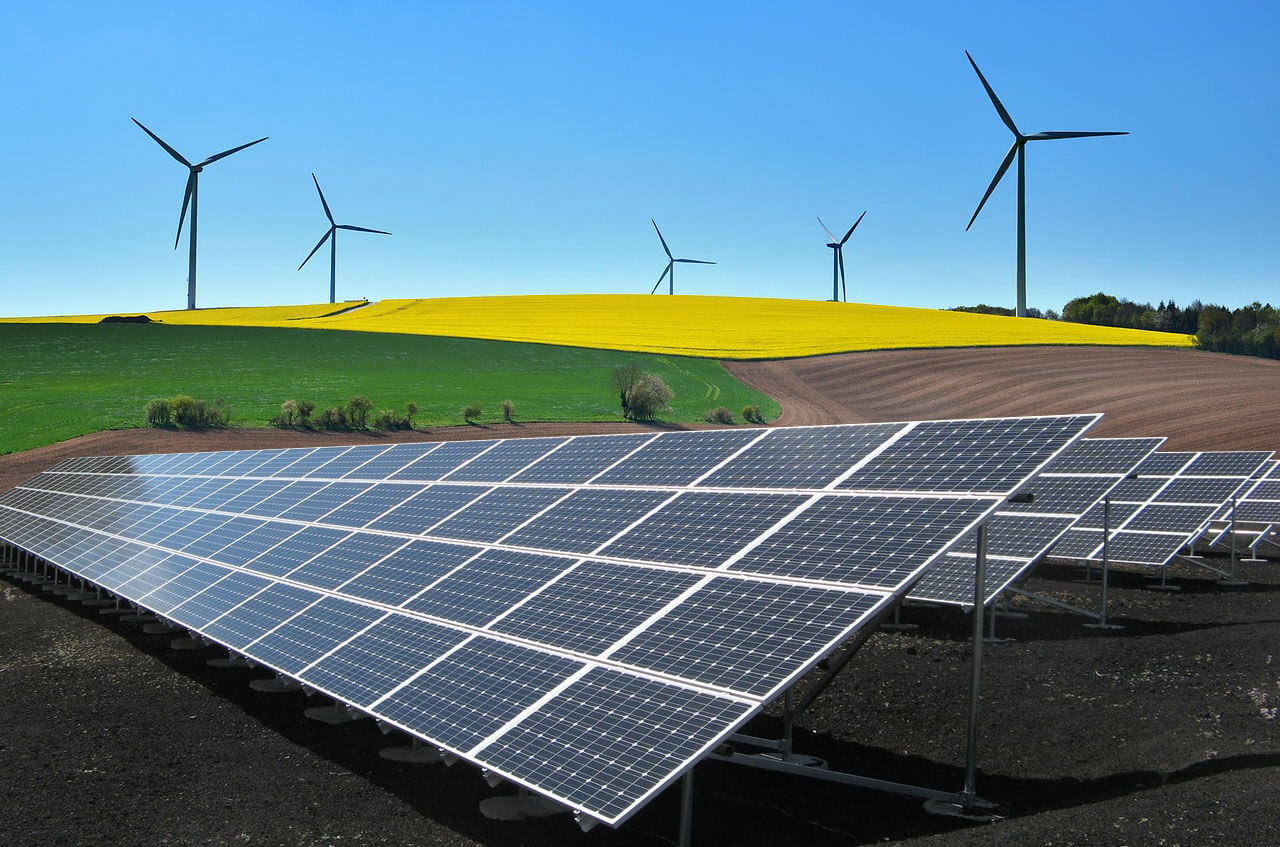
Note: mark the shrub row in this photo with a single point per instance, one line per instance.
(186, 411)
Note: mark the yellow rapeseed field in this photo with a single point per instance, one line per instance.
(716, 327)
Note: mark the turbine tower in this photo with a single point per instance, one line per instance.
(1019, 143)
(837, 259)
(191, 197)
(333, 245)
(670, 273)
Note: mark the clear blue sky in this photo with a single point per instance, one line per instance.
(522, 148)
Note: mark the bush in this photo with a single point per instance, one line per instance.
(159, 413)
(410, 410)
(288, 412)
(185, 411)
(471, 413)
(718, 415)
(647, 398)
(334, 417)
(508, 409)
(391, 419)
(305, 410)
(752, 414)
(358, 408)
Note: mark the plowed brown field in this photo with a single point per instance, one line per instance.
(1199, 400)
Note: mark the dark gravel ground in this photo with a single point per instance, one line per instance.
(1164, 732)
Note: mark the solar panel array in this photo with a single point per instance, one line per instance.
(1256, 510)
(1021, 533)
(1164, 510)
(584, 616)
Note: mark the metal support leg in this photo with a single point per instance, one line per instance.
(686, 809)
(1232, 580)
(1106, 566)
(970, 791)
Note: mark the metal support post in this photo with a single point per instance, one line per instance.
(970, 791)
(686, 809)
(788, 721)
(1232, 580)
(1106, 566)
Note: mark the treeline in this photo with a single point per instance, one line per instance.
(1252, 330)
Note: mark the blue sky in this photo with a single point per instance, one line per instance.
(523, 148)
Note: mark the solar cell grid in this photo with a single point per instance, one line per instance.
(594, 605)
(966, 456)
(474, 691)
(382, 466)
(255, 542)
(271, 607)
(505, 459)
(676, 458)
(427, 508)
(1164, 464)
(348, 461)
(274, 505)
(309, 462)
(377, 660)
(374, 502)
(1022, 536)
(253, 495)
(305, 543)
(150, 578)
(870, 541)
(641, 733)
(406, 572)
(196, 578)
(1204, 489)
(1184, 519)
(1144, 548)
(1107, 456)
(702, 528)
(230, 591)
(315, 506)
(501, 510)
(805, 457)
(582, 458)
(745, 635)
(309, 635)
(585, 520)
(477, 592)
(1063, 495)
(1228, 463)
(345, 560)
(440, 461)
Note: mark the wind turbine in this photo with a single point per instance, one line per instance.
(333, 245)
(1019, 143)
(191, 196)
(670, 273)
(837, 259)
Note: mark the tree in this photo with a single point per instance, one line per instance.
(358, 408)
(647, 398)
(623, 380)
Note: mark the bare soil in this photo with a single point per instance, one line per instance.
(1163, 732)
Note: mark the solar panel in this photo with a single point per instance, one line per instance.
(1020, 534)
(585, 616)
(1165, 510)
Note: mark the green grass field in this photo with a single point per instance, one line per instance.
(58, 381)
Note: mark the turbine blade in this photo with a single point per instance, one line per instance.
(319, 244)
(1053, 136)
(661, 278)
(852, 228)
(323, 202)
(995, 101)
(361, 229)
(1004, 166)
(225, 153)
(660, 238)
(693, 261)
(182, 217)
(824, 229)
(174, 153)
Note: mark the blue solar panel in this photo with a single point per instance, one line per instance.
(311, 634)
(480, 590)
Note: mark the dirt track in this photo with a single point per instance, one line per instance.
(1199, 400)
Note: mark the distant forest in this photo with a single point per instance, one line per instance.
(1252, 330)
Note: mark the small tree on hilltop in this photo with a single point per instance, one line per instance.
(289, 411)
(305, 408)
